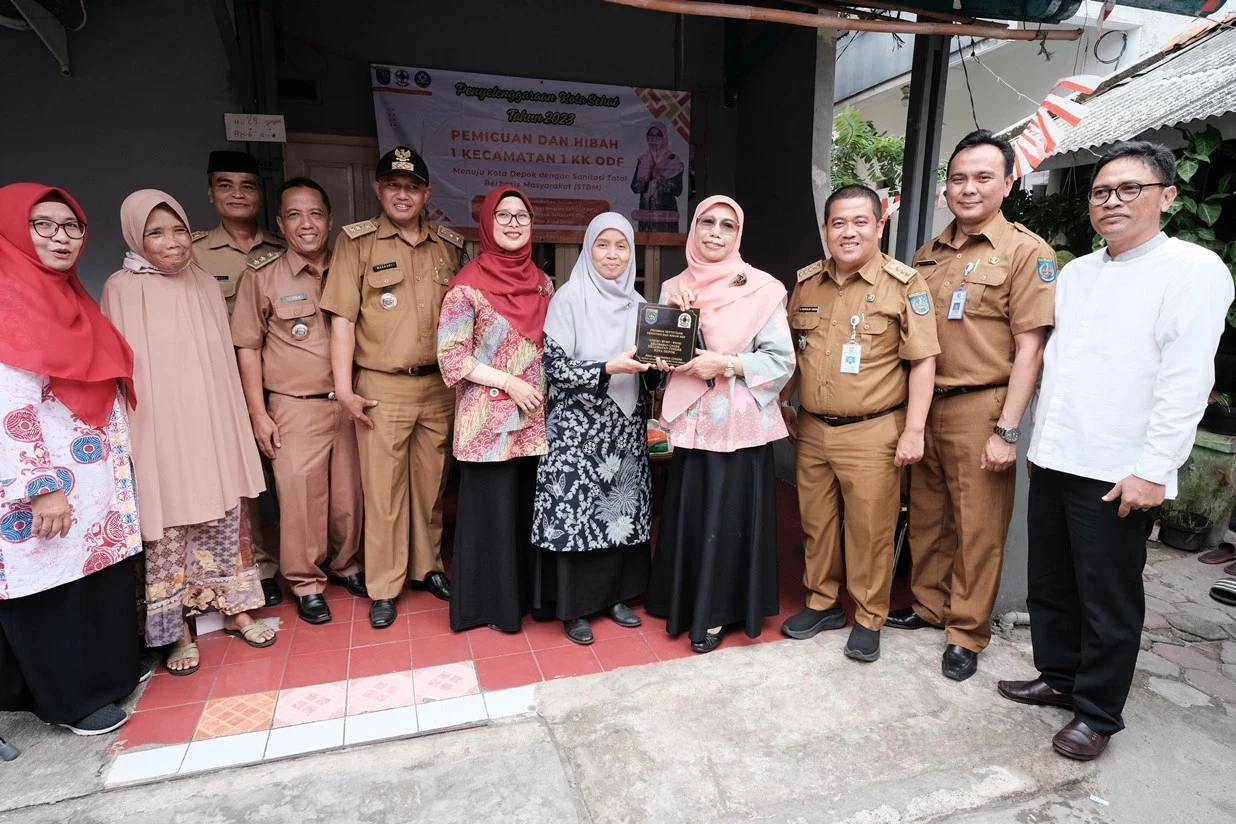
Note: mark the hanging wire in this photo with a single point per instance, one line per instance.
(999, 79)
(961, 50)
(1124, 45)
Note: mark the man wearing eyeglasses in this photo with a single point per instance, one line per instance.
(1126, 375)
(992, 282)
(388, 277)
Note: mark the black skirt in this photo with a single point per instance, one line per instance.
(716, 551)
(579, 584)
(494, 557)
(71, 650)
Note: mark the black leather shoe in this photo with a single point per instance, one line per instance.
(435, 583)
(312, 609)
(578, 630)
(711, 641)
(959, 663)
(908, 619)
(271, 591)
(1034, 692)
(810, 621)
(1077, 741)
(354, 583)
(863, 644)
(624, 616)
(382, 613)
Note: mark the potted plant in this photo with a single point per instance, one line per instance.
(1203, 495)
(1220, 417)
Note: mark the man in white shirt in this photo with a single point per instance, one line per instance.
(1126, 375)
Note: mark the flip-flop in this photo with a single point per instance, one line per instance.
(1224, 591)
(181, 653)
(249, 633)
(1221, 554)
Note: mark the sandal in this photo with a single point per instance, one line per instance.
(1221, 554)
(249, 633)
(1230, 569)
(180, 654)
(1224, 591)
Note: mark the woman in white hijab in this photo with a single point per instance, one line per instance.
(593, 513)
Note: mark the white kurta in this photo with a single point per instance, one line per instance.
(44, 447)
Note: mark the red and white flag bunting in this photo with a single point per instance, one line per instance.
(1039, 139)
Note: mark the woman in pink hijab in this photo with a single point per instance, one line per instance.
(716, 552)
(193, 447)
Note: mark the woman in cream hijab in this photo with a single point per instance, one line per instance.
(193, 448)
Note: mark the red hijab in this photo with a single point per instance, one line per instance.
(51, 324)
(515, 287)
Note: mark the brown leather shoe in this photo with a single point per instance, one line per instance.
(1079, 742)
(1034, 692)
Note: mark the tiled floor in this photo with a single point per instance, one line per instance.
(344, 682)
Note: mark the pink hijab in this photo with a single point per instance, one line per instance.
(193, 448)
(735, 301)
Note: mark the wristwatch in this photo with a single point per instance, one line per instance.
(1010, 435)
(729, 366)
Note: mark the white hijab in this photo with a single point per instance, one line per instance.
(593, 319)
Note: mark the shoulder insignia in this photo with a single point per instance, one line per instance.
(451, 236)
(198, 235)
(360, 229)
(900, 271)
(1047, 269)
(920, 303)
(810, 271)
(260, 261)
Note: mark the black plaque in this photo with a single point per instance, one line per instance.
(666, 332)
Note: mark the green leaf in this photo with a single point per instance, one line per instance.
(1187, 203)
(1206, 234)
(1231, 316)
(1185, 169)
(1216, 197)
(1206, 142)
(1225, 184)
(1188, 235)
(1208, 213)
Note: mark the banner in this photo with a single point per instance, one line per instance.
(575, 149)
(1038, 139)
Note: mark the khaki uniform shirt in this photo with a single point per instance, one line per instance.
(371, 259)
(273, 299)
(895, 324)
(217, 253)
(1010, 289)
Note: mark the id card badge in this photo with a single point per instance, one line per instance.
(851, 358)
(957, 306)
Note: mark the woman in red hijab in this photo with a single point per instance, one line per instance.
(490, 342)
(68, 517)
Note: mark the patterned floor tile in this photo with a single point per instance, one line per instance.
(320, 702)
(446, 681)
(380, 692)
(237, 714)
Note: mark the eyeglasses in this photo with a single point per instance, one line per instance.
(75, 229)
(1125, 192)
(505, 218)
(708, 223)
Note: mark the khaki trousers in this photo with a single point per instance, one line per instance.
(317, 478)
(849, 469)
(403, 474)
(959, 519)
(266, 563)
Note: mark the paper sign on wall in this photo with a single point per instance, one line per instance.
(255, 128)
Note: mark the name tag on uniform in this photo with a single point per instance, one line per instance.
(381, 267)
(957, 306)
(851, 358)
(221, 277)
(809, 309)
(293, 298)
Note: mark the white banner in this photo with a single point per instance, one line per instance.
(576, 149)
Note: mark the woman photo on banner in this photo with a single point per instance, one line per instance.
(658, 182)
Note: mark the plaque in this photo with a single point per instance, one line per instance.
(666, 332)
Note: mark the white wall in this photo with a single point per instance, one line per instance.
(143, 109)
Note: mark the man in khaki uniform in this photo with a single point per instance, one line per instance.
(993, 285)
(233, 188)
(856, 318)
(387, 282)
(283, 349)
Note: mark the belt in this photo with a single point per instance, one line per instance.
(326, 396)
(420, 371)
(962, 390)
(834, 420)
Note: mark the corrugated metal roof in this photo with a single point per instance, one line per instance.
(1191, 82)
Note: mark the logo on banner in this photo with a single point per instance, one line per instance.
(383, 75)
(401, 77)
(422, 79)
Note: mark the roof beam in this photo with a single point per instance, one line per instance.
(815, 21)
